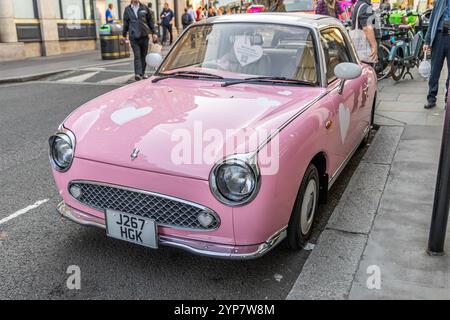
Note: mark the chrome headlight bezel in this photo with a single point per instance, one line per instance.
(68, 137)
(244, 160)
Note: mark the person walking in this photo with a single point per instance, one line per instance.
(186, 19)
(330, 8)
(109, 16)
(437, 39)
(192, 13)
(166, 22)
(277, 6)
(364, 15)
(138, 25)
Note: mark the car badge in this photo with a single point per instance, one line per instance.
(134, 154)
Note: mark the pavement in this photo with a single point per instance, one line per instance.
(374, 244)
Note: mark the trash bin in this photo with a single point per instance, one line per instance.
(112, 45)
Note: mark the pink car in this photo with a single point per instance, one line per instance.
(229, 147)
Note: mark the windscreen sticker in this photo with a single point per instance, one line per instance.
(245, 52)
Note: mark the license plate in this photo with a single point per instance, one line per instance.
(131, 228)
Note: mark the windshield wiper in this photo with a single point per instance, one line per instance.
(268, 79)
(196, 74)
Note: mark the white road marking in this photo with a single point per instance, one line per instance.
(80, 78)
(119, 79)
(22, 211)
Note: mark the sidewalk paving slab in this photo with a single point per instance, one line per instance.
(329, 271)
(384, 145)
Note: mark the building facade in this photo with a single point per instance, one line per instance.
(33, 28)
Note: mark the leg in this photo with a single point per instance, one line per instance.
(164, 37)
(447, 39)
(137, 56)
(170, 33)
(437, 61)
(144, 51)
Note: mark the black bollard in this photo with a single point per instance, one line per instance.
(441, 204)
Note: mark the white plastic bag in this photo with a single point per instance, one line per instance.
(425, 68)
(362, 45)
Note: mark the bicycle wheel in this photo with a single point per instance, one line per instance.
(397, 69)
(383, 67)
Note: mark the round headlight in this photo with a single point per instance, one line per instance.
(234, 182)
(61, 151)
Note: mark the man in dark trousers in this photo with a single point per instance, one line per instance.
(166, 22)
(139, 25)
(438, 40)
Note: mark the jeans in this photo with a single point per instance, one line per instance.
(439, 52)
(140, 50)
(167, 28)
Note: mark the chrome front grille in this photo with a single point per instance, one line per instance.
(165, 210)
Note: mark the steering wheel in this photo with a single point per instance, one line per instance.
(212, 65)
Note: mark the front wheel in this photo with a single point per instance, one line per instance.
(397, 69)
(305, 208)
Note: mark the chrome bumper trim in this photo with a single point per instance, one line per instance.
(198, 247)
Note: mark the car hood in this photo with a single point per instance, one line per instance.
(179, 126)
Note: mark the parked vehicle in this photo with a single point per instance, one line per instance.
(288, 87)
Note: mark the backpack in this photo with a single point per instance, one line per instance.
(186, 19)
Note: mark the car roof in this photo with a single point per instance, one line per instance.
(293, 18)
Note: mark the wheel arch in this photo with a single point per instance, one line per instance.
(320, 161)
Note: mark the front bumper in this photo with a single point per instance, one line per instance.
(194, 246)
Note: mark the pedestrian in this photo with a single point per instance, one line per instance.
(211, 12)
(330, 8)
(109, 14)
(277, 6)
(198, 13)
(363, 15)
(204, 14)
(166, 22)
(138, 25)
(192, 13)
(437, 39)
(186, 19)
(152, 12)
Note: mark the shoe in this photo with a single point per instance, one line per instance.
(144, 77)
(137, 77)
(429, 105)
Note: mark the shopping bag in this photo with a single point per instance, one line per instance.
(362, 45)
(425, 67)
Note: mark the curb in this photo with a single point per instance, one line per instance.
(330, 269)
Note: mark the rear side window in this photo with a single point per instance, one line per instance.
(335, 50)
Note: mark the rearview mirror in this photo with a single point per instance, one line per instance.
(347, 70)
(153, 60)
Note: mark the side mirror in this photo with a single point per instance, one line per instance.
(347, 71)
(153, 60)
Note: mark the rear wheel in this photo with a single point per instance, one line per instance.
(383, 67)
(305, 208)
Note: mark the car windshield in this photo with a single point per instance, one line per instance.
(241, 50)
(299, 5)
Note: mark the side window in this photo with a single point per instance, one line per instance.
(335, 50)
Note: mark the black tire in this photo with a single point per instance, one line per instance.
(397, 69)
(296, 236)
(365, 141)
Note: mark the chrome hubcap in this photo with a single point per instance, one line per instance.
(308, 207)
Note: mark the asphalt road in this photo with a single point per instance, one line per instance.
(38, 246)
